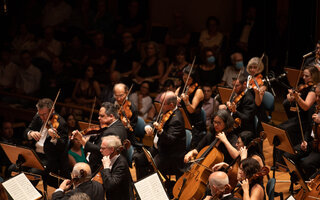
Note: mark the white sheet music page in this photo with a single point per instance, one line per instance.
(151, 188)
(20, 188)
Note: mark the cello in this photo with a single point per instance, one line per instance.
(193, 183)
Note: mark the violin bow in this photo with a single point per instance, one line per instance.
(234, 86)
(297, 107)
(129, 91)
(185, 84)
(51, 110)
(92, 109)
(160, 111)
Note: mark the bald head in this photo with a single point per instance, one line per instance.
(219, 179)
(76, 172)
(120, 87)
(169, 97)
(120, 91)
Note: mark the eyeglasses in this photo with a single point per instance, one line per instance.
(119, 95)
(103, 148)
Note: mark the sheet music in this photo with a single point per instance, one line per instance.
(291, 198)
(20, 188)
(151, 188)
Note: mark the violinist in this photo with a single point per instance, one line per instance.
(117, 181)
(128, 112)
(305, 97)
(242, 106)
(308, 154)
(253, 189)
(109, 125)
(81, 179)
(223, 124)
(219, 187)
(191, 101)
(244, 139)
(170, 140)
(50, 143)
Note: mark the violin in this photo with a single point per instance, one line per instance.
(95, 130)
(54, 124)
(316, 131)
(263, 171)
(190, 89)
(237, 121)
(304, 86)
(125, 114)
(256, 82)
(192, 184)
(164, 119)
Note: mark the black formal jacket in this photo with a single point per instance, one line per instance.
(172, 141)
(92, 188)
(56, 154)
(246, 110)
(93, 145)
(117, 182)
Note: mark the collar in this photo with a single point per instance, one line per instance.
(113, 159)
(113, 123)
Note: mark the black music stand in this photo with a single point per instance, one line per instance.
(279, 138)
(23, 157)
(295, 175)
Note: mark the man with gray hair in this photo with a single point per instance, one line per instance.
(219, 186)
(117, 181)
(81, 179)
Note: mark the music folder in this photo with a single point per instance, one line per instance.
(20, 188)
(151, 188)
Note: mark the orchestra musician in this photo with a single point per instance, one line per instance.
(315, 61)
(242, 106)
(127, 110)
(109, 125)
(170, 140)
(219, 187)
(117, 181)
(244, 139)
(307, 157)
(223, 124)
(191, 101)
(305, 98)
(81, 179)
(51, 143)
(251, 189)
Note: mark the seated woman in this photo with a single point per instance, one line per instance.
(305, 98)
(142, 100)
(174, 71)
(223, 124)
(244, 140)
(86, 89)
(72, 124)
(151, 68)
(76, 153)
(254, 189)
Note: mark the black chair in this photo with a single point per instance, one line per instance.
(270, 190)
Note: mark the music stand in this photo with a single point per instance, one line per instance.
(279, 138)
(292, 75)
(23, 157)
(224, 93)
(294, 170)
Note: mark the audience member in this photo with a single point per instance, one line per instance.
(152, 67)
(209, 71)
(174, 71)
(211, 37)
(126, 58)
(55, 13)
(177, 35)
(210, 105)
(142, 100)
(231, 72)
(8, 70)
(107, 92)
(28, 77)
